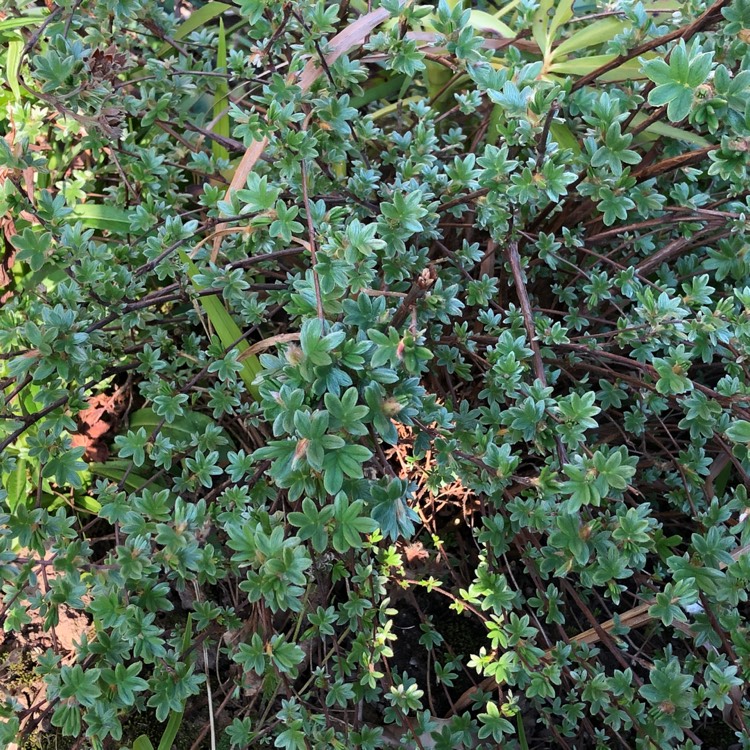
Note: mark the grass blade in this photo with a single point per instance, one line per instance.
(596, 33)
(507, 8)
(200, 17)
(378, 90)
(197, 19)
(99, 216)
(115, 469)
(563, 14)
(221, 97)
(175, 718)
(12, 24)
(227, 330)
(669, 131)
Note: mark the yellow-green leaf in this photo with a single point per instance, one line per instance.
(507, 8)
(582, 66)
(13, 65)
(540, 24)
(482, 21)
(563, 14)
(563, 137)
(15, 485)
(200, 17)
(662, 129)
(388, 108)
(89, 504)
(142, 743)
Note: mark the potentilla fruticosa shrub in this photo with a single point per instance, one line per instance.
(375, 374)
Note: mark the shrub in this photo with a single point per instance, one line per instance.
(378, 375)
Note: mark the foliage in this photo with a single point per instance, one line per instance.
(420, 311)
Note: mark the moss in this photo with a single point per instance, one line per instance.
(463, 634)
(47, 741)
(17, 671)
(717, 734)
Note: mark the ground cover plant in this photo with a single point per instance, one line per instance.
(375, 374)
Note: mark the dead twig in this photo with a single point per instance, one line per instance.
(419, 288)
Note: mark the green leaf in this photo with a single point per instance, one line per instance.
(377, 90)
(172, 728)
(311, 523)
(351, 522)
(345, 413)
(66, 468)
(544, 29)
(142, 743)
(739, 431)
(677, 80)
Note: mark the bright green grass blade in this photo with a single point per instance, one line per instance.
(507, 8)
(182, 428)
(665, 130)
(98, 216)
(175, 718)
(389, 108)
(200, 17)
(221, 97)
(115, 469)
(12, 24)
(227, 330)
(377, 91)
(582, 66)
(197, 19)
